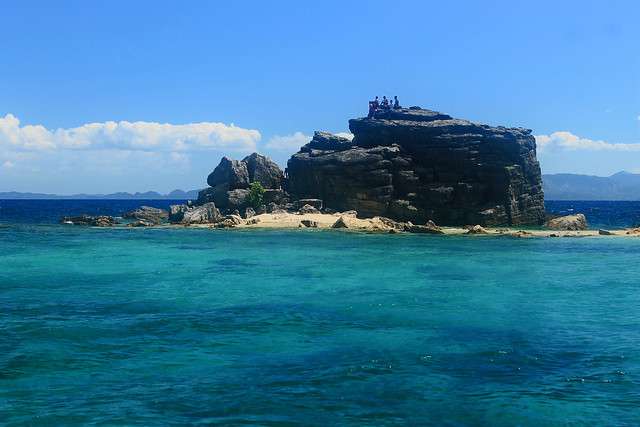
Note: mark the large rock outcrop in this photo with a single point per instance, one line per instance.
(416, 165)
(230, 180)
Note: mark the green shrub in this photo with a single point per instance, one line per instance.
(256, 194)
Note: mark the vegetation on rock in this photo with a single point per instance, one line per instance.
(256, 194)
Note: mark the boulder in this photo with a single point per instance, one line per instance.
(148, 214)
(225, 199)
(204, 214)
(230, 221)
(415, 164)
(215, 194)
(275, 195)
(477, 229)
(403, 210)
(568, 223)
(176, 213)
(429, 228)
(274, 208)
(309, 223)
(264, 170)
(249, 212)
(308, 209)
(605, 233)
(104, 221)
(233, 173)
(316, 203)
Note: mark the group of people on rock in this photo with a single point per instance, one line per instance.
(384, 105)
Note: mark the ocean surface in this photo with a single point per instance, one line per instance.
(155, 327)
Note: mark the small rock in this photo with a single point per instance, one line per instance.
(340, 223)
(568, 223)
(253, 221)
(141, 223)
(229, 221)
(104, 221)
(87, 220)
(605, 232)
(424, 229)
(477, 229)
(309, 223)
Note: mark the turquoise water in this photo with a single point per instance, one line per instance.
(172, 327)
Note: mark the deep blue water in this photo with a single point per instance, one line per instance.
(194, 327)
(50, 211)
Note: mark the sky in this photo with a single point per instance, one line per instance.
(101, 96)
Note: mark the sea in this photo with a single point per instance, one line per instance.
(162, 327)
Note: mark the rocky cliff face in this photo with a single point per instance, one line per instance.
(418, 165)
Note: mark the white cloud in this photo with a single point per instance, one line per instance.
(347, 135)
(288, 142)
(123, 135)
(8, 164)
(567, 141)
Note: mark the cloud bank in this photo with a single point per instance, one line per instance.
(565, 152)
(288, 142)
(115, 156)
(564, 140)
(123, 135)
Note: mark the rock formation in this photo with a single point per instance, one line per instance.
(89, 220)
(416, 165)
(568, 223)
(147, 214)
(230, 180)
(204, 214)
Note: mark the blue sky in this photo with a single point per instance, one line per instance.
(134, 96)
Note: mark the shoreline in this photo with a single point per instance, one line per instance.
(321, 221)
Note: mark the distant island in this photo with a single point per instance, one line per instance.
(618, 187)
(148, 195)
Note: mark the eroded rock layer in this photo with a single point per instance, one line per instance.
(419, 165)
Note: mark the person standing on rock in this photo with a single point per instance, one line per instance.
(376, 103)
(396, 103)
(372, 109)
(385, 103)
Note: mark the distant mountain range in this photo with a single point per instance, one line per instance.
(148, 195)
(566, 186)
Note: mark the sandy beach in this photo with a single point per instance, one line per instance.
(384, 225)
